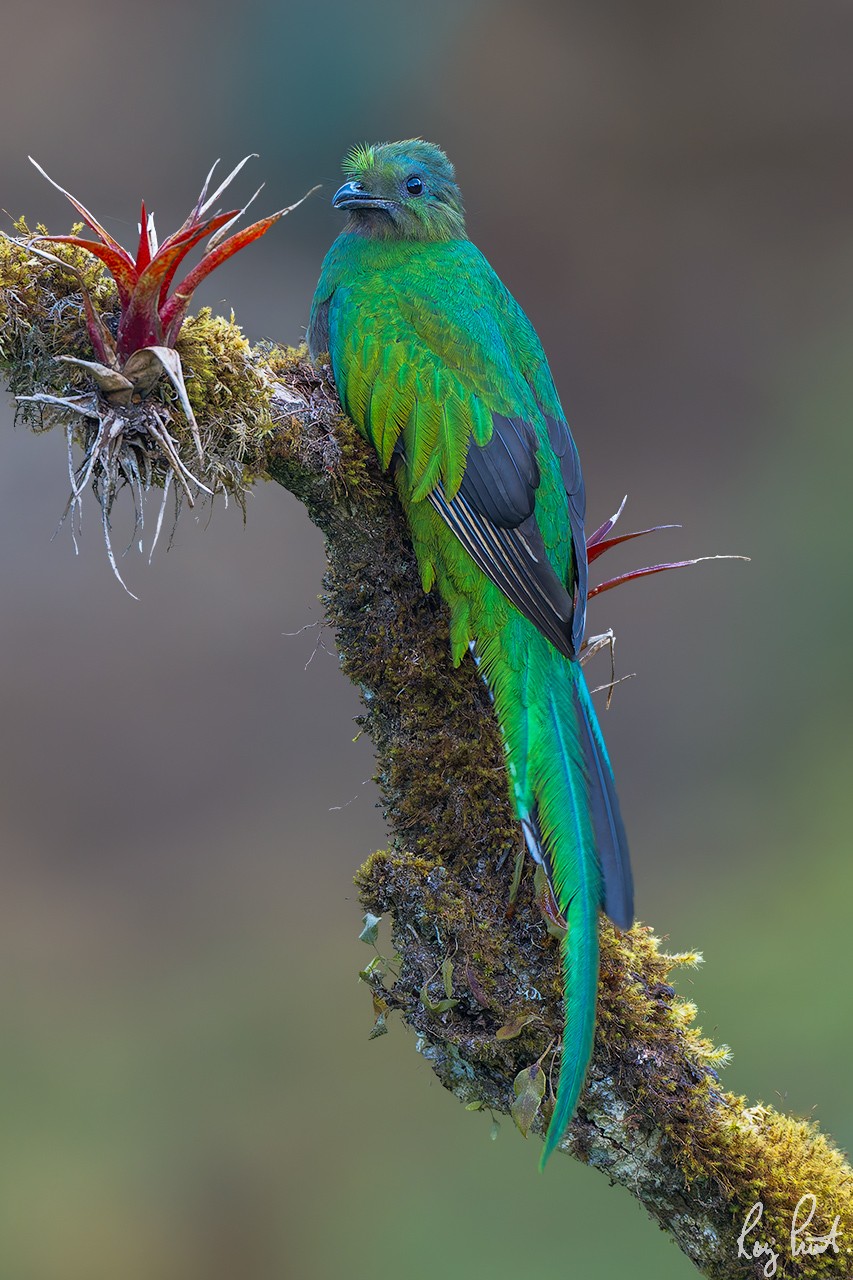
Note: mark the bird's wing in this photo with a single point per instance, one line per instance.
(561, 441)
(493, 516)
(431, 378)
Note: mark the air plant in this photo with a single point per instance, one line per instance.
(130, 428)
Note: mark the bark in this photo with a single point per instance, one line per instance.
(479, 984)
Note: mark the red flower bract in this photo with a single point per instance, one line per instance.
(150, 315)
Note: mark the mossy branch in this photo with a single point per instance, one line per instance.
(481, 986)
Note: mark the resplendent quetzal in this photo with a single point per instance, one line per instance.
(438, 366)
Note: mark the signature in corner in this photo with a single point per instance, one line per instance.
(802, 1242)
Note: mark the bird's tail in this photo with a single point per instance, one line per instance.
(562, 788)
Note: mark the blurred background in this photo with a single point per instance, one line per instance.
(187, 1090)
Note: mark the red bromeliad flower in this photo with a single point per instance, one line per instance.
(150, 316)
(126, 433)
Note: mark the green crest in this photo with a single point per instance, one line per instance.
(359, 160)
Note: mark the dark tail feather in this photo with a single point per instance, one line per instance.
(610, 838)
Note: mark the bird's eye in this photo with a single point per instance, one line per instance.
(414, 186)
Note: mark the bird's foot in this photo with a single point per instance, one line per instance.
(592, 646)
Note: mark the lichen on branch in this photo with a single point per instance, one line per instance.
(478, 982)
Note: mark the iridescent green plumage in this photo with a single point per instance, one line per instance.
(439, 367)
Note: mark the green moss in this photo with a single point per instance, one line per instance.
(221, 382)
(335, 450)
(649, 1056)
(42, 316)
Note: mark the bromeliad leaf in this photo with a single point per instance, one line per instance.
(371, 929)
(380, 1014)
(529, 1086)
(512, 1029)
(447, 977)
(436, 1007)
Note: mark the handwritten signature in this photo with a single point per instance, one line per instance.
(802, 1242)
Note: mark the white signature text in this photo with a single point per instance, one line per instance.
(802, 1242)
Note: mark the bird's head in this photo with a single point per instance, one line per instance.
(402, 190)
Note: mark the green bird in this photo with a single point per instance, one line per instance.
(440, 369)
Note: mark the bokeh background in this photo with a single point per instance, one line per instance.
(187, 1090)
